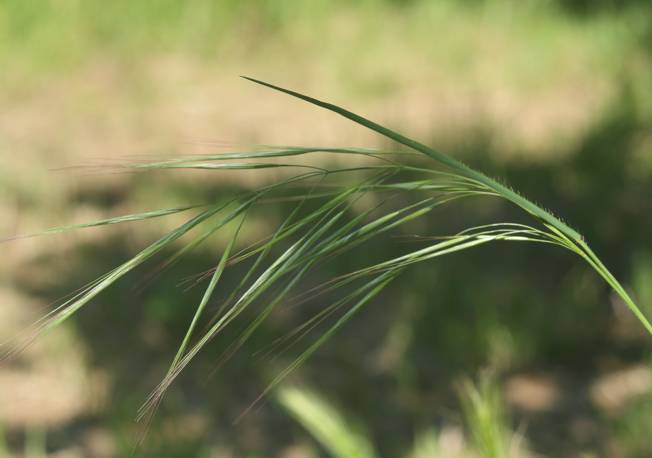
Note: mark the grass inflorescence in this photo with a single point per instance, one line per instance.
(321, 225)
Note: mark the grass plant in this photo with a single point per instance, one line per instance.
(321, 225)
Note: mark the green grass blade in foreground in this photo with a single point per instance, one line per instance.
(300, 255)
(261, 284)
(249, 199)
(70, 307)
(313, 245)
(370, 290)
(272, 152)
(336, 200)
(233, 166)
(207, 295)
(130, 265)
(108, 221)
(345, 235)
(236, 344)
(500, 189)
(345, 238)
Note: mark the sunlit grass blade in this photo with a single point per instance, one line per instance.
(217, 274)
(120, 271)
(283, 265)
(67, 309)
(108, 221)
(303, 264)
(230, 166)
(248, 200)
(264, 281)
(372, 289)
(341, 237)
(266, 248)
(270, 152)
(236, 344)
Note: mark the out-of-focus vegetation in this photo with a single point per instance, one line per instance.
(483, 406)
(553, 96)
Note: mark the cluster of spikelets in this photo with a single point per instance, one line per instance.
(315, 232)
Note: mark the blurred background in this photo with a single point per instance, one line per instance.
(553, 96)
